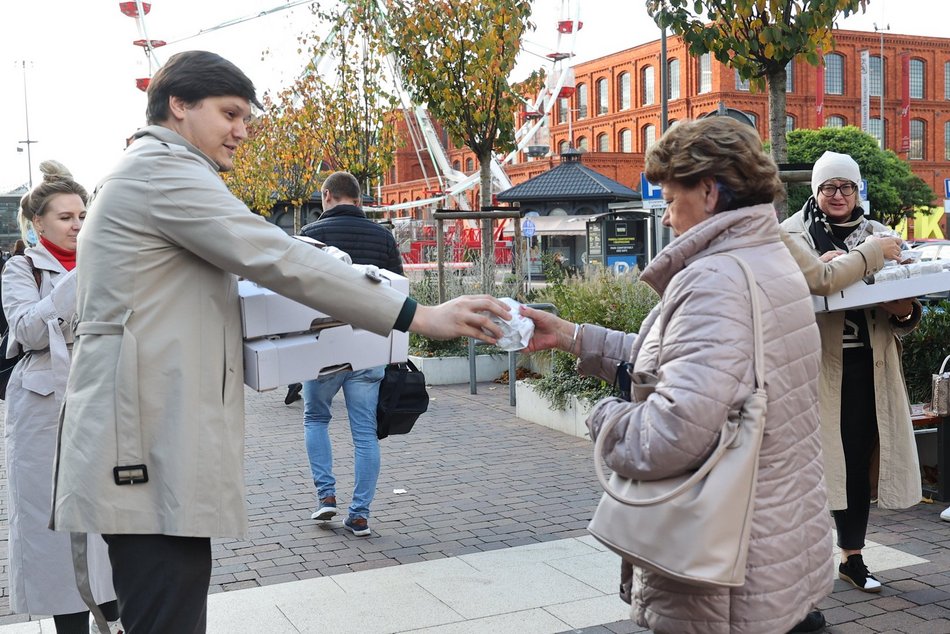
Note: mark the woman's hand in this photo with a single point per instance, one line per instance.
(828, 256)
(900, 308)
(890, 246)
(550, 331)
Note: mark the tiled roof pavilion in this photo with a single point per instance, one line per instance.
(569, 181)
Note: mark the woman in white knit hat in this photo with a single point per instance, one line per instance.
(865, 415)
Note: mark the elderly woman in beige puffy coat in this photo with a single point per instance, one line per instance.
(718, 184)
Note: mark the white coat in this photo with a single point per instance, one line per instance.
(41, 569)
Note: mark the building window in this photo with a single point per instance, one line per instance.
(582, 143)
(946, 81)
(753, 118)
(626, 140)
(741, 84)
(834, 121)
(562, 147)
(603, 143)
(623, 91)
(946, 141)
(673, 90)
(581, 96)
(834, 74)
(705, 72)
(602, 103)
(876, 130)
(649, 89)
(789, 123)
(875, 77)
(916, 79)
(649, 136)
(469, 165)
(456, 165)
(562, 112)
(790, 77)
(917, 130)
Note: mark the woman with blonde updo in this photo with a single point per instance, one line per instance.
(39, 300)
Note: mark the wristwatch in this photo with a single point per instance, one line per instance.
(906, 317)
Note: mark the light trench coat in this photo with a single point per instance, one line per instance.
(158, 371)
(698, 341)
(41, 568)
(898, 485)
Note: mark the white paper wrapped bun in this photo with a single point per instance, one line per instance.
(517, 331)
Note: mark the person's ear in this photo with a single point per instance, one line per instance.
(177, 107)
(712, 194)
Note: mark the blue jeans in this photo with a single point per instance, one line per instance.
(361, 391)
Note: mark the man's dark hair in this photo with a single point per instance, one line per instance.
(191, 76)
(343, 185)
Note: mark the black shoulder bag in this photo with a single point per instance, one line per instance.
(7, 365)
(402, 399)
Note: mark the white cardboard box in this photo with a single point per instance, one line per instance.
(288, 342)
(270, 363)
(265, 313)
(861, 294)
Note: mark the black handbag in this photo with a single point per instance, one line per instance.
(402, 399)
(7, 365)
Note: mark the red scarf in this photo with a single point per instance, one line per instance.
(66, 257)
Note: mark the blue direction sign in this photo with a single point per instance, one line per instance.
(863, 189)
(527, 228)
(946, 188)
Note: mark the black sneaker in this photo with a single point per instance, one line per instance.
(293, 393)
(856, 573)
(327, 509)
(814, 622)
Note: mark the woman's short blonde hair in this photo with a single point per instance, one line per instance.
(720, 148)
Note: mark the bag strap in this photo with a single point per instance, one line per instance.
(944, 364)
(730, 431)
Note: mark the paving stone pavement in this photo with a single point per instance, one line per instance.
(476, 478)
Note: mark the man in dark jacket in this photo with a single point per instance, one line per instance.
(344, 225)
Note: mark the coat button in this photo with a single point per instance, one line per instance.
(879, 364)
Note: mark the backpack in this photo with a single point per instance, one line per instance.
(7, 365)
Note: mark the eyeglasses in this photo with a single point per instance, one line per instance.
(830, 190)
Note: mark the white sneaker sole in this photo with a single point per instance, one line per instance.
(871, 588)
(323, 514)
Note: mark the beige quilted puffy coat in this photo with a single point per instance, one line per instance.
(700, 346)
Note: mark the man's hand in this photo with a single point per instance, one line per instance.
(828, 256)
(899, 307)
(461, 317)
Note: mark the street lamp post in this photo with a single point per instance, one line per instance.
(28, 142)
(881, 65)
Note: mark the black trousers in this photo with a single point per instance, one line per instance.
(859, 439)
(78, 622)
(161, 582)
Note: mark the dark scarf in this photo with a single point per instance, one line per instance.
(66, 257)
(827, 235)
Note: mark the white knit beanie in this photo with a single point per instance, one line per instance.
(834, 165)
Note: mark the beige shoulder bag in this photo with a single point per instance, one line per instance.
(693, 527)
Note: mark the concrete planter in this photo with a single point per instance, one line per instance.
(449, 370)
(533, 407)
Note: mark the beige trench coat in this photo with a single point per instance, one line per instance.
(899, 483)
(157, 377)
(700, 348)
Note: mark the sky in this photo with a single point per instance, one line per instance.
(80, 99)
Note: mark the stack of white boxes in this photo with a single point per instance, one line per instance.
(860, 294)
(286, 342)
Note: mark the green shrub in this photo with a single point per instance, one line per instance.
(619, 302)
(925, 349)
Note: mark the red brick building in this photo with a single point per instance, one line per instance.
(614, 113)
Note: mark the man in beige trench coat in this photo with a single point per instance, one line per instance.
(151, 441)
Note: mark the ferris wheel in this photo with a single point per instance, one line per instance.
(446, 182)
